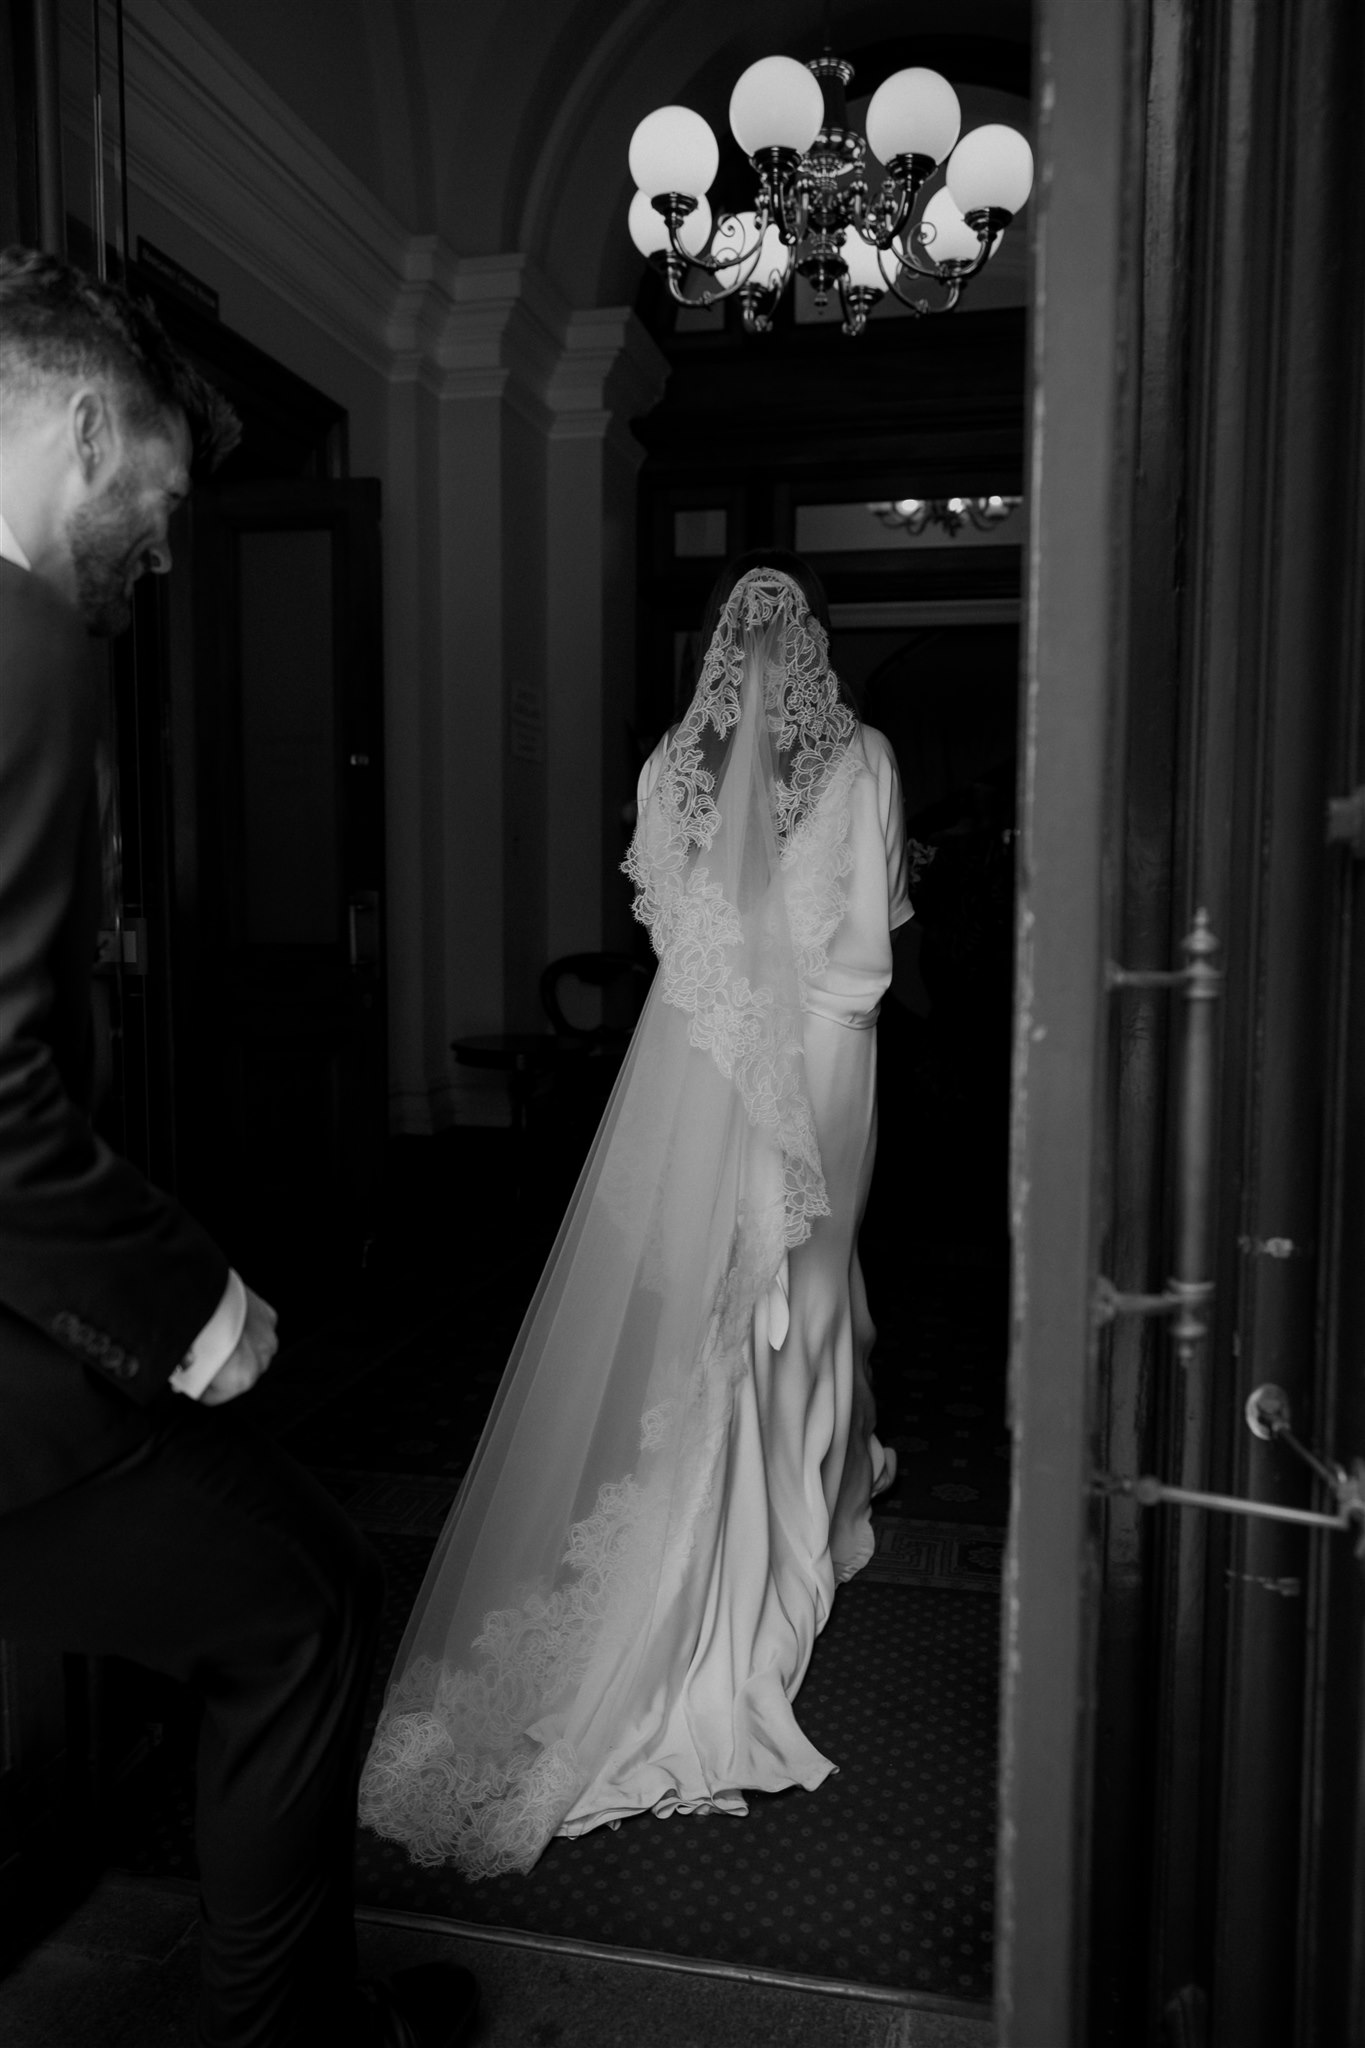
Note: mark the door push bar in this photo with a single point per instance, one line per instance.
(1268, 1417)
(1188, 1294)
(1346, 821)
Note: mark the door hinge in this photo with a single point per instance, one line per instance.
(1268, 1417)
(1346, 822)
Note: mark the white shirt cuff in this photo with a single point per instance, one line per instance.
(215, 1343)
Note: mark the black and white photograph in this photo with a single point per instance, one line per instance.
(682, 1024)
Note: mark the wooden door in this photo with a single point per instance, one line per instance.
(1183, 1800)
(1332, 1904)
(279, 875)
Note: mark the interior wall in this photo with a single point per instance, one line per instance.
(421, 210)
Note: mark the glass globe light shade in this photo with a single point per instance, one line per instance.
(776, 104)
(913, 113)
(673, 150)
(863, 266)
(946, 236)
(992, 166)
(649, 229)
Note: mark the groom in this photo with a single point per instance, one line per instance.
(140, 1514)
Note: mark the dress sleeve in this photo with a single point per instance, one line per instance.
(891, 809)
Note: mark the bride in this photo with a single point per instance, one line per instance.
(680, 1460)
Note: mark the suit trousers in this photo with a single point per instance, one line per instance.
(210, 1555)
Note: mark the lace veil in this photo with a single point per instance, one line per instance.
(576, 1557)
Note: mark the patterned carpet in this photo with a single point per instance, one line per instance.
(883, 1876)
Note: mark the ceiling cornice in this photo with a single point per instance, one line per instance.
(210, 141)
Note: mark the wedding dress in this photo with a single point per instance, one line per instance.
(679, 1463)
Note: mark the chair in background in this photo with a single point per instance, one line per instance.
(593, 1001)
(522, 1056)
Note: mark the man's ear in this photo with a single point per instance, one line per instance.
(94, 434)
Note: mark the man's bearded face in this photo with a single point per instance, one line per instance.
(108, 545)
(120, 532)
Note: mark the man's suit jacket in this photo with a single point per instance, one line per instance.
(105, 1282)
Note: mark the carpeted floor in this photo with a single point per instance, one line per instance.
(122, 1972)
(883, 1876)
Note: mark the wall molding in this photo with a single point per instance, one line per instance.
(210, 141)
(503, 335)
(610, 371)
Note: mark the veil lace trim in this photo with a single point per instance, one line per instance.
(471, 1765)
(454, 1773)
(764, 640)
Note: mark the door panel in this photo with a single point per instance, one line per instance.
(1332, 1899)
(281, 887)
(1184, 1790)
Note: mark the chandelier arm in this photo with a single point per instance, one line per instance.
(675, 208)
(987, 226)
(881, 221)
(676, 269)
(713, 265)
(679, 262)
(978, 262)
(907, 260)
(952, 285)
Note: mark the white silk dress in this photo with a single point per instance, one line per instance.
(803, 1459)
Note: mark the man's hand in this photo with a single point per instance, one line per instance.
(242, 1367)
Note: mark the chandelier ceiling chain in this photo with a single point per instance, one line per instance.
(814, 214)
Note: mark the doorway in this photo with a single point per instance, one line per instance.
(926, 634)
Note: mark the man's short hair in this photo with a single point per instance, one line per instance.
(59, 324)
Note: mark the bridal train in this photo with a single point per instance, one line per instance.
(678, 1469)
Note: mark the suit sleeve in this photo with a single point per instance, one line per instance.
(105, 1264)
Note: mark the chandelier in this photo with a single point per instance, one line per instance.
(912, 515)
(814, 215)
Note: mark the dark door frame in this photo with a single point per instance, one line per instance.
(1073, 683)
(1194, 640)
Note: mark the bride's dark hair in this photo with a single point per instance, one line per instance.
(790, 564)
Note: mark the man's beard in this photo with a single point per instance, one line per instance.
(102, 543)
